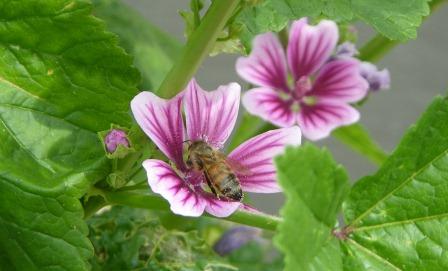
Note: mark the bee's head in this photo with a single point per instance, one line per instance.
(196, 151)
(200, 146)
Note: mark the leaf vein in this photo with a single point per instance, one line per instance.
(405, 182)
(373, 254)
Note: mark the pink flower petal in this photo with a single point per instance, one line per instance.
(220, 208)
(309, 47)
(211, 116)
(319, 120)
(267, 104)
(340, 81)
(164, 181)
(266, 64)
(162, 121)
(256, 155)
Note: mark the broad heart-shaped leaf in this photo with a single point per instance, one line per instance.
(154, 51)
(62, 79)
(314, 186)
(398, 217)
(397, 20)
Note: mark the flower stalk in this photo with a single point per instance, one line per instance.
(198, 47)
(154, 202)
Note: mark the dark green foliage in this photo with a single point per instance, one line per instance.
(133, 239)
(62, 79)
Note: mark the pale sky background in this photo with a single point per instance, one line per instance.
(418, 72)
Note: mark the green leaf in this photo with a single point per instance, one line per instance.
(154, 50)
(315, 187)
(357, 137)
(397, 20)
(62, 79)
(398, 218)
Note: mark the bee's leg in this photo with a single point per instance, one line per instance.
(209, 183)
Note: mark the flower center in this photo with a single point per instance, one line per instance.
(284, 96)
(309, 100)
(302, 87)
(295, 107)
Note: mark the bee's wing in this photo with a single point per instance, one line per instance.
(236, 166)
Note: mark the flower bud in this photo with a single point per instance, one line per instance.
(116, 141)
(346, 49)
(377, 79)
(235, 238)
(114, 138)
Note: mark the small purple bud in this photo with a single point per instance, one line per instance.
(378, 80)
(114, 138)
(346, 49)
(234, 239)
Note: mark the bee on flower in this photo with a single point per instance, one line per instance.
(200, 176)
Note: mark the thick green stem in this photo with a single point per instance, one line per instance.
(153, 202)
(198, 46)
(376, 48)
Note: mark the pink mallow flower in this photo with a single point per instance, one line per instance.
(210, 117)
(305, 85)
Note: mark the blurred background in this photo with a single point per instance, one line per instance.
(418, 73)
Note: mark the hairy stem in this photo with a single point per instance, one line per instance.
(198, 46)
(153, 202)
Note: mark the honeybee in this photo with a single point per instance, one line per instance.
(216, 168)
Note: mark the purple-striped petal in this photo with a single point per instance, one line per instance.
(309, 47)
(340, 81)
(220, 208)
(266, 64)
(267, 104)
(256, 157)
(319, 120)
(211, 116)
(162, 121)
(164, 181)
